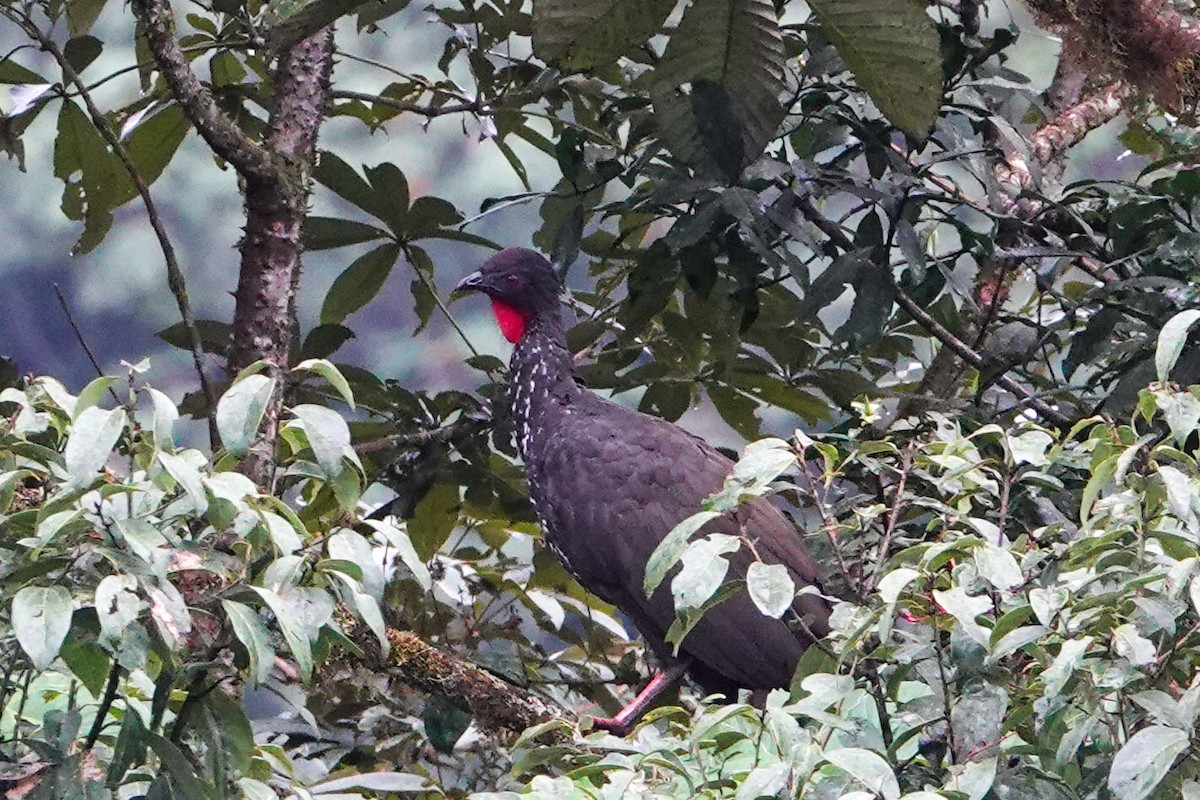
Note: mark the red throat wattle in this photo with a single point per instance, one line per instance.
(511, 321)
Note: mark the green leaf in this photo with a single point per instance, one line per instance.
(581, 36)
(399, 540)
(330, 373)
(965, 608)
(92, 394)
(240, 411)
(771, 588)
(867, 768)
(671, 548)
(94, 179)
(80, 51)
(374, 782)
(895, 54)
(703, 570)
(429, 215)
(339, 177)
(153, 143)
(359, 283)
(1132, 646)
(292, 629)
(998, 567)
(188, 477)
(326, 233)
(130, 747)
(254, 637)
(214, 336)
(1070, 658)
(391, 188)
(1144, 760)
(352, 546)
(1171, 340)
(372, 616)
(234, 737)
(118, 606)
(81, 15)
(41, 620)
(92, 439)
(716, 89)
(762, 462)
(328, 436)
(175, 764)
(325, 340)
(165, 416)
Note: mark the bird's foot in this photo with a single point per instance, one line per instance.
(628, 717)
(614, 725)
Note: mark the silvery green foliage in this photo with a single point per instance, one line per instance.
(147, 590)
(1029, 631)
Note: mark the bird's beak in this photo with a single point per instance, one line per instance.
(471, 283)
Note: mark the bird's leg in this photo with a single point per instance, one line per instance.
(628, 716)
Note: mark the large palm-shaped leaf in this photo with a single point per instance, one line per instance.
(892, 49)
(582, 35)
(716, 90)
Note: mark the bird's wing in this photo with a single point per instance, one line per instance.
(612, 483)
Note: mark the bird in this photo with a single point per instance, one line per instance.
(607, 483)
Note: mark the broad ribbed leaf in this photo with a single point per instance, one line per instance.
(716, 90)
(1144, 761)
(771, 588)
(584, 35)
(894, 53)
(1171, 341)
(240, 411)
(188, 478)
(41, 619)
(328, 436)
(92, 439)
(254, 637)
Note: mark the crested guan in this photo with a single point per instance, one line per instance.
(608, 483)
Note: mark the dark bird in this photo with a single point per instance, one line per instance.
(608, 483)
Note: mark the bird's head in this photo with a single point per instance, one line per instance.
(521, 285)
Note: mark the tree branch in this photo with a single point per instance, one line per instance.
(1052, 141)
(222, 134)
(175, 279)
(264, 317)
(839, 238)
(1146, 42)
(493, 702)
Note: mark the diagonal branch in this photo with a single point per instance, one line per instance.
(222, 134)
(839, 238)
(493, 702)
(175, 279)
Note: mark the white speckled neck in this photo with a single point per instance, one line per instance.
(542, 373)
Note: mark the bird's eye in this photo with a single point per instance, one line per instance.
(511, 280)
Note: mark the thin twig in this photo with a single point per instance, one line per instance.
(889, 529)
(441, 304)
(110, 695)
(465, 107)
(1044, 409)
(442, 434)
(932, 326)
(62, 301)
(175, 279)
